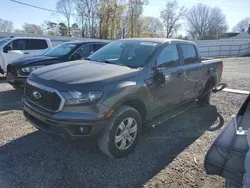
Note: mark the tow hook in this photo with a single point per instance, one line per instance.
(219, 87)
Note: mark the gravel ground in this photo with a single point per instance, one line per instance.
(171, 155)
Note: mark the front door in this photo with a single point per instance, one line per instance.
(169, 95)
(192, 70)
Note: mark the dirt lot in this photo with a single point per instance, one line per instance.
(170, 155)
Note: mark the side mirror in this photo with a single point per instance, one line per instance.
(6, 49)
(75, 57)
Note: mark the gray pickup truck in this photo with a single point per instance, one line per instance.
(118, 90)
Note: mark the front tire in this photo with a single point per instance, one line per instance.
(119, 138)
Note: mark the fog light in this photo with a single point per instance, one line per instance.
(80, 130)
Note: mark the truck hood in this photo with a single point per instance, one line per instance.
(81, 75)
(34, 60)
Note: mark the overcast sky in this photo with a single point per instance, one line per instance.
(235, 10)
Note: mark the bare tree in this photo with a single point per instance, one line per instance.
(152, 26)
(87, 11)
(172, 16)
(32, 29)
(19, 31)
(203, 21)
(242, 25)
(65, 8)
(6, 26)
(135, 10)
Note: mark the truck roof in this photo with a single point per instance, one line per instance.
(87, 41)
(27, 38)
(160, 40)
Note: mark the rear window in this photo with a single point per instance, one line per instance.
(37, 44)
(189, 53)
(28, 44)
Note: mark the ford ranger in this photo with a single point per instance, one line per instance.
(118, 90)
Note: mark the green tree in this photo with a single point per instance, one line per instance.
(75, 30)
(52, 28)
(63, 30)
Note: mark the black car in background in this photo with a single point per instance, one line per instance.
(19, 70)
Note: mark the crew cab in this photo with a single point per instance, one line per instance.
(19, 70)
(13, 48)
(118, 90)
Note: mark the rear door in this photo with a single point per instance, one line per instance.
(83, 51)
(168, 62)
(192, 69)
(35, 46)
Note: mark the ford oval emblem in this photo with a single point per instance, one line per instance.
(36, 95)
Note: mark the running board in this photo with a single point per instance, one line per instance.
(171, 114)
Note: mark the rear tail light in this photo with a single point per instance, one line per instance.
(222, 68)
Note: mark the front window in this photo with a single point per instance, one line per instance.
(129, 53)
(61, 50)
(2, 41)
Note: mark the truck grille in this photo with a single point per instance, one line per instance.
(11, 70)
(47, 99)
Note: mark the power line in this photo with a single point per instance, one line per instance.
(41, 8)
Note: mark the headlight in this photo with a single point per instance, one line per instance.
(76, 97)
(32, 68)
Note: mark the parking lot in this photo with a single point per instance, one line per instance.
(170, 155)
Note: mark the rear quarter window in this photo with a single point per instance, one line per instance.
(189, 53)
(37, 44)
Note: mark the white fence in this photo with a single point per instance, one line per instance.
(224, 50)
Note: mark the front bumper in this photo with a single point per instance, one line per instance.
(68, 128)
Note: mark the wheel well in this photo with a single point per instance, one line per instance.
(211, 81)
(139, 106)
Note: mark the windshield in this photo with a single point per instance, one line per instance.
(61, 50)
(2, 41)
(133, 54)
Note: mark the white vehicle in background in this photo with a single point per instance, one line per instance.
(13, 48)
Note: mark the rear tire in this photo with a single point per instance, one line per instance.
(124, 127)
